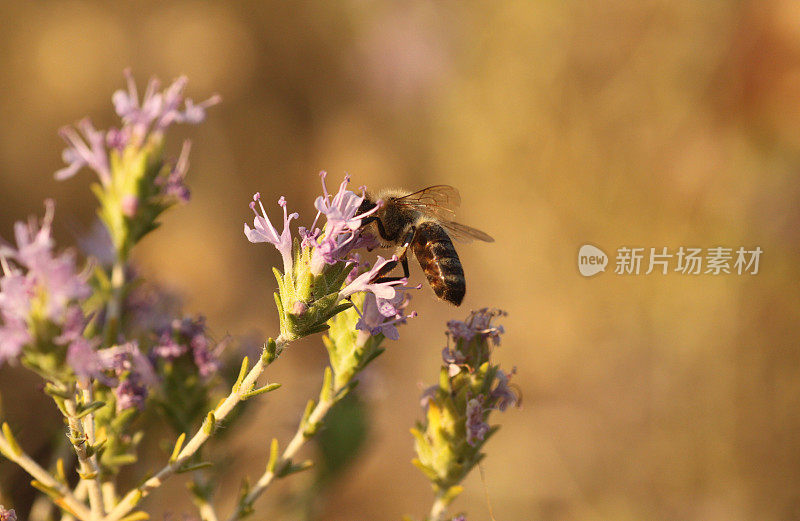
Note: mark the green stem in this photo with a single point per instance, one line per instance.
(300, 437)
(89, 469)
(109, 489)
(133, 497)
(63, 495)
(114, 308)
(206, 510)
(439, 507)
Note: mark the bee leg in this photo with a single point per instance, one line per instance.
(402, 254)
(389, 267)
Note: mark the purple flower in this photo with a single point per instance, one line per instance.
(205, 357)
(478, 323)
(384, 291)
(131, 392)
(16, 292)
(454, 359)
(383, 318)
(13, 336)
(168, 348)
(460, 517)
(35, 280)
(84, 361)
(34, 242)
(157, 110)
(125, 359)
(117, 138)
(174, 185)
(360, 265)
(189, 335)
(476, 427)
(96, 242)
(126, 370)
(87, 150)
(74, 324)
(113, 366)
(502, 395)
(427, 396)
(54, 276)
(342, 207)
(7, 515)
(127, 106)
(263, 231)
(342, 223)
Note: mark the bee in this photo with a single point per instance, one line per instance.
(422, 221)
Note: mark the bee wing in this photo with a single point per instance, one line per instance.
(465, 233)
(438, 201)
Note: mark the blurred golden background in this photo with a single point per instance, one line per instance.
(617, 123)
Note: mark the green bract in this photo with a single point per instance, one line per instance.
(306, 301)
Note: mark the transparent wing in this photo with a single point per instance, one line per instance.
(465, 233)
(439, 201)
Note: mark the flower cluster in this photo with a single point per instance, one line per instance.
(186, 360)
(382, 317)
(342, 222)
(142, 121)
(188, 336)
(136, 183)
(129, 373)
(40, 297)
(123, 368)
(7, 515)
(448, 441)
(320, 270)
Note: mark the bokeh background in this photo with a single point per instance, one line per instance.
(652, 123)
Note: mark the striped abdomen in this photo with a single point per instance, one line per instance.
(438, 259)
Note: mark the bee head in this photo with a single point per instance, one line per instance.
(367, 204)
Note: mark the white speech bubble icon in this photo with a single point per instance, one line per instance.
(591, 260)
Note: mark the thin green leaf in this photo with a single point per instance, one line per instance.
(194, 466)
(242, 374)
(255, 392)
(16, 450)
(88, 409)
(176, 450)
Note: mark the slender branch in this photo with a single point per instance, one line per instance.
(207, 512)
(439, 507)
(109, 489)
(115, 303)
(133, 497)
(42, 508)
(80, 494)
(88, 423)
(62, 495)
(300, 437)
(87, 463)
